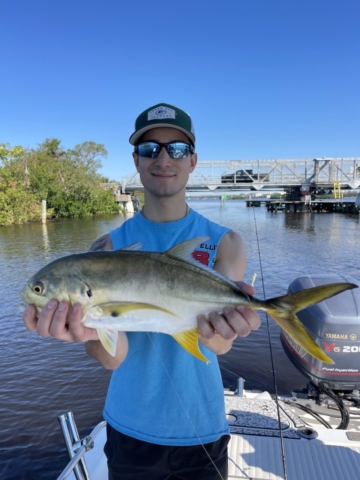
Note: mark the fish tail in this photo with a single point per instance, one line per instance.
(283, 310)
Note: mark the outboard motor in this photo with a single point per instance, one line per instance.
(334, 324)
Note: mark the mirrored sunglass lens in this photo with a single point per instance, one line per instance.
(178, 150)
(149, 150)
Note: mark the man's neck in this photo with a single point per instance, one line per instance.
(164, 210)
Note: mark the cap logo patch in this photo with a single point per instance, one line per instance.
(161, 112)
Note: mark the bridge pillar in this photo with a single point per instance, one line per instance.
(129, 207)
(125, 201)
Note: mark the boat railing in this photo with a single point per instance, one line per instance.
(77, 447)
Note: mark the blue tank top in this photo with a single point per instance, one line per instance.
(160, 393)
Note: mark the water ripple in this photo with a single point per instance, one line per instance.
(43, 378)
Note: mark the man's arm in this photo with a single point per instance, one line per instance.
(218, 331)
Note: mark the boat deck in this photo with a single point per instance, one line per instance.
(257, 457)
(306, 451)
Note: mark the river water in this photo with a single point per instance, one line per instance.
(42, 378)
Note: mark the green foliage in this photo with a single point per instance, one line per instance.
(17, 204)
(67, 179)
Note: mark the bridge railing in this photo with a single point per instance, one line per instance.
(267, 173)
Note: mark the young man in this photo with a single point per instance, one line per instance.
(164, 408)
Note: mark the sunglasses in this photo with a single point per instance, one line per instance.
(174, 149)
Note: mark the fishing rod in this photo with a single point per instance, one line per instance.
(271, 352)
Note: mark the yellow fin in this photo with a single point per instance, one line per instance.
(188, 339)
(283, 310)
(115, 309)
(184, 250)
(108, 339)
(295, 329)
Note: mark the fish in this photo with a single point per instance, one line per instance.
(134, 290)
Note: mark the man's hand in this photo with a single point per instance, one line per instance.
(63, 322)
(60, 321)
(217, 331)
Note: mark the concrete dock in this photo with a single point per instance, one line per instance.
(346, 205)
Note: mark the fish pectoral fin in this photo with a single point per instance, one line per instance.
(116, 309)
(108, 339)
(189, 340)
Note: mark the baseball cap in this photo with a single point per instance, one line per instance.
(163, 115)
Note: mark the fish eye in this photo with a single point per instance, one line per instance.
(38, 288)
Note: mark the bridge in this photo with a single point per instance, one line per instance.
(269, 174)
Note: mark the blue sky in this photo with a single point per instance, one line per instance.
(260, 78)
